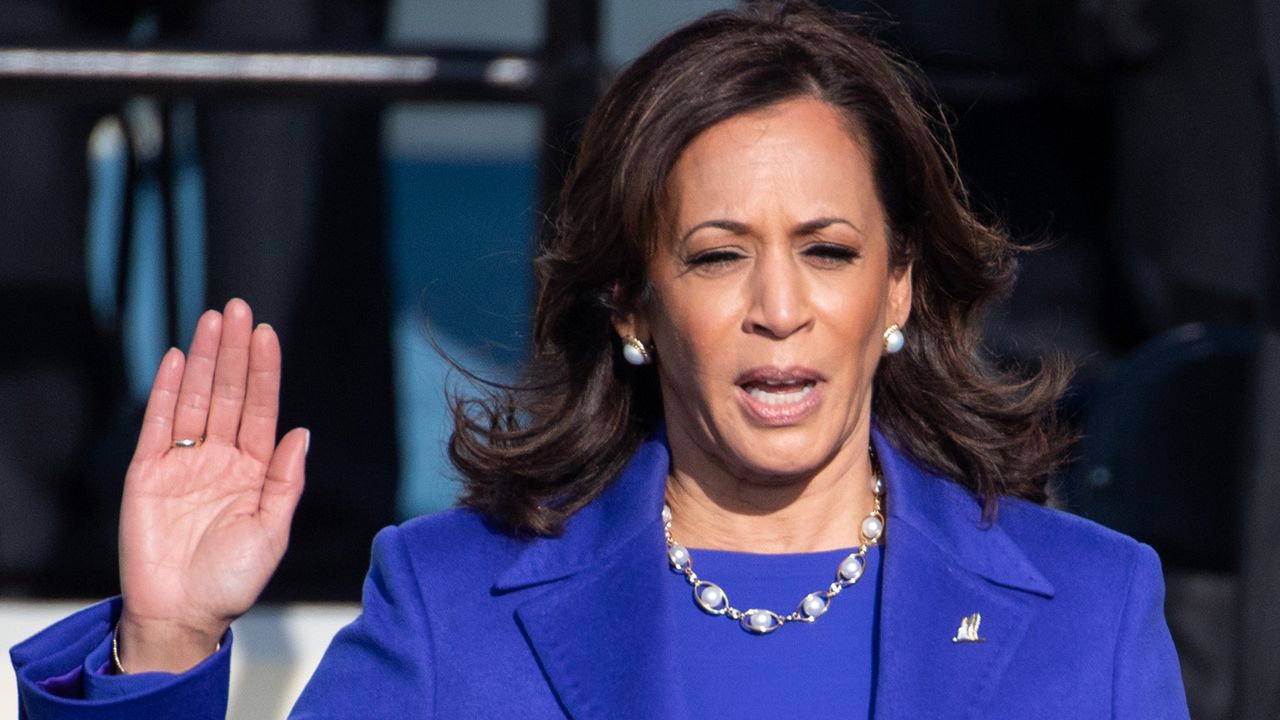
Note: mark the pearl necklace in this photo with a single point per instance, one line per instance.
(711, 598)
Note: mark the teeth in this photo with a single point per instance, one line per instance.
(779, 398)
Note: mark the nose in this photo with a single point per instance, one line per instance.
(780, 297)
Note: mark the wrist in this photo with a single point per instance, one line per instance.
(139, 646)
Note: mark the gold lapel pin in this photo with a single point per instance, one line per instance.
(968, 631)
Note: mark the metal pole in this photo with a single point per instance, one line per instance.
(464, 75)
(572, 84)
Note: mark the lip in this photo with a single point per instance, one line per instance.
(780, 414)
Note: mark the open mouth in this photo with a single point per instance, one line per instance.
(779, 392)
(780, 396)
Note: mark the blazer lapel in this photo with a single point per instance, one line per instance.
(596, 617)
(941, 566)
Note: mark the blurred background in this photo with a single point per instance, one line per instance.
(370, 175)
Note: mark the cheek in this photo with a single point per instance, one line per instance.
(692, 337)
(858, 317)
(866, 350)
(697, 329)
(856, 341)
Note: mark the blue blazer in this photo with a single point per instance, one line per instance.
(461, 620)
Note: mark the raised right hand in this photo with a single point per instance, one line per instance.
(203, 528)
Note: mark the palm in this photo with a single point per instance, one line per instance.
(196, 544)
(203, 528)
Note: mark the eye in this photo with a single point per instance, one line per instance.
(711, 259)
(831, 253)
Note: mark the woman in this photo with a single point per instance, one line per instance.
(755, 369)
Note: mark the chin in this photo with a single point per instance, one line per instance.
(777, 456)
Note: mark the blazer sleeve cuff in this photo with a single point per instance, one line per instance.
(62, 673)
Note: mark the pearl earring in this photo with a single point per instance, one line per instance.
(635, 351)
(894, 339)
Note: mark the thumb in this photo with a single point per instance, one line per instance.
(285, 478)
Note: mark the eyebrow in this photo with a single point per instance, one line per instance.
(737, 228)
(810, 226)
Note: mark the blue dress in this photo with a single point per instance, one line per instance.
(800, 669)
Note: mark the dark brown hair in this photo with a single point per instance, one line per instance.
(534, 453)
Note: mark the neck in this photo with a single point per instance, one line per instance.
(823, 511)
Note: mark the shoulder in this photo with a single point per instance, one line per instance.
(1050, 531)
(1108, 606)
(1055, 529)
(458, 524)
(452, 549)
(1021, 545)
(1079, 556)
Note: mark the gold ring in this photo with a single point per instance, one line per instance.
(188, 442)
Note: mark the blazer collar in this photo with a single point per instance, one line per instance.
(631, 505)
(597, 616)
(950, 517)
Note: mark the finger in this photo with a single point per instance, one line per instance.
(156, 435)
(230, 373)
(285, 478)
(197, 379)
(262, 397)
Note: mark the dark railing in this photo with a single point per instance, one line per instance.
(562, 79)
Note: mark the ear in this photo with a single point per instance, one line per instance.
(900, 295)
(630, 324)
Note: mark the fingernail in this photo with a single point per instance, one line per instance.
(307, 448)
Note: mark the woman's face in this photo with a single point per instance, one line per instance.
(769, 304)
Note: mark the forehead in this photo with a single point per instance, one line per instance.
(798, 157)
